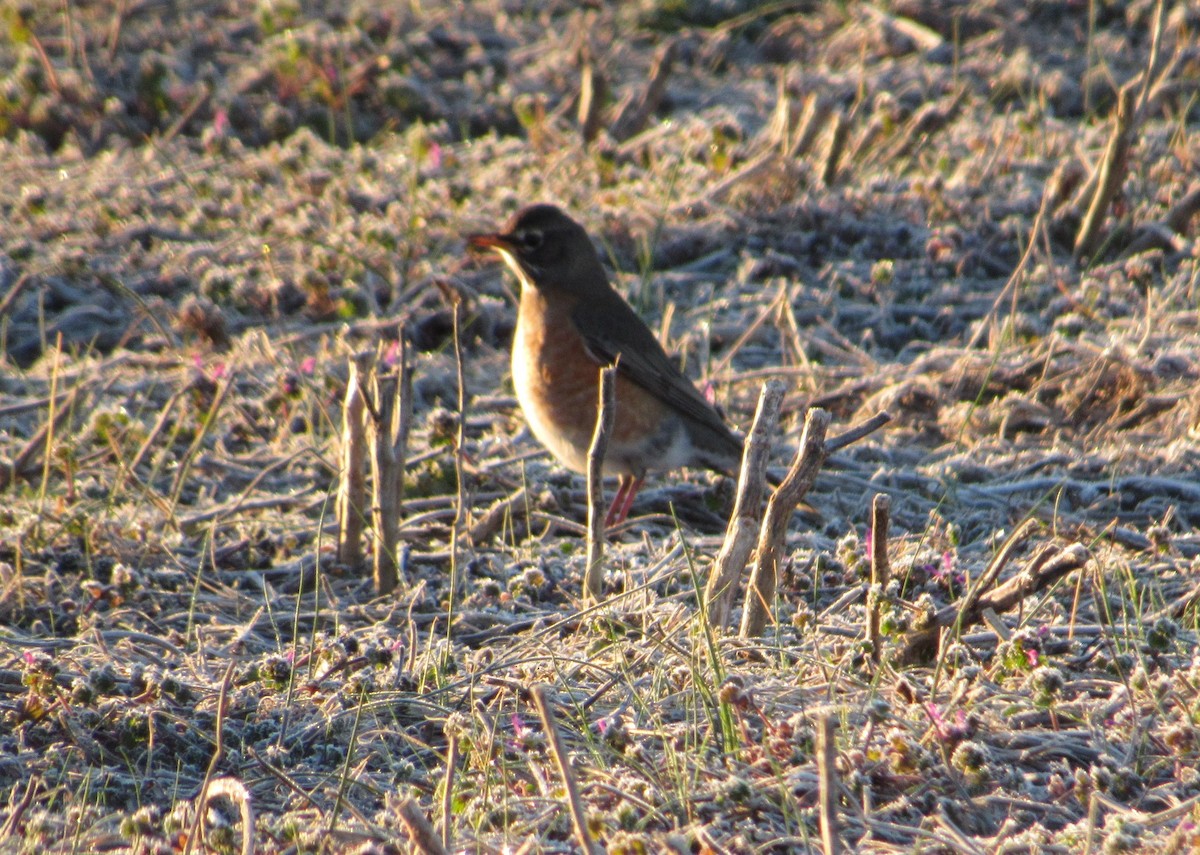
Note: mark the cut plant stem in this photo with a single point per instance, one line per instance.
(827, 783)
(352, 484)
(760, 593)
(390, 426)
(593, 582)
(881, 507)
(743, 523)
(1110, 175)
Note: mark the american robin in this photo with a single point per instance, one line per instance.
(570, 323)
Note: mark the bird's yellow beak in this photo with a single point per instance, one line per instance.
(495, 242)
(503, 246)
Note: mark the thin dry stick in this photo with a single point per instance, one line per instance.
(837, 146)
(152, 439)
(1165, 233)
(962, 843)
(1177, 608)
(448, 792)
(530, 846)
(460, 499)
(352, 484)
(815, 112)
(764, 315)
(760, 593)
(988, 577)
(197, 102)
(210, 419)
(559, 750)
(592, 89)
(390, 425)
(593, 581)
(1181, 212)
(827, 783)
(51, 424)
(1111, 172)
(17, 810)
(793, 130)
(215, 762)
(27, 464)
(927, 121)
(881, 507)
(422, 833)
(740, 176)
(779, 131)
(493, 519)
(405, 417)
(926, 38)
(635, 116)
(1044, 569)
(743, 524)
(1038, 227)
(1157, 30)
(14, 291)
(854, 434)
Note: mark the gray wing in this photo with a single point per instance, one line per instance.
(615, 329)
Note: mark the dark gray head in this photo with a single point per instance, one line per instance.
(547, 250)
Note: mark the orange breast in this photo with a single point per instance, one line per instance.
(557, 383)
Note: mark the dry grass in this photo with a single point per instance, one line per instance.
(882, 208)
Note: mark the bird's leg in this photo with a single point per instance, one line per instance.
(614, 510)
(629, 496)
(627, 489)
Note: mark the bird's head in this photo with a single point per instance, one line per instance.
(547, 250)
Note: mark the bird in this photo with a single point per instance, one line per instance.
(571, 322)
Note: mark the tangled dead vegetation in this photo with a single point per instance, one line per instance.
(980, 628)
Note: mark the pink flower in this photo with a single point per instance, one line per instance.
(946, 731)
(217, 371)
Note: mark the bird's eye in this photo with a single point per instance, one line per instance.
(531, 239)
